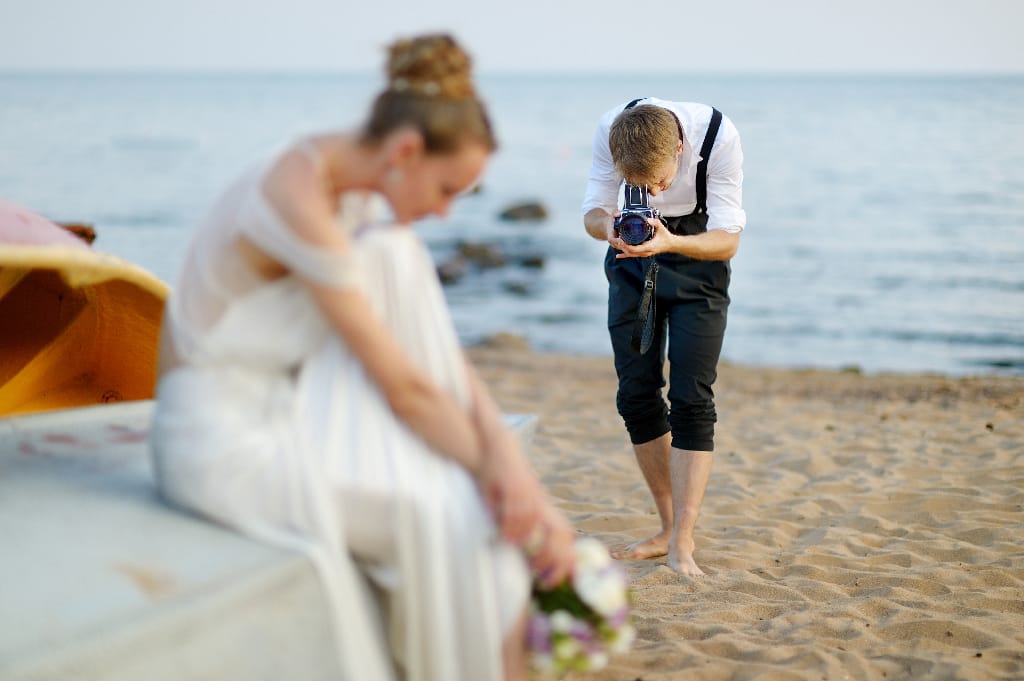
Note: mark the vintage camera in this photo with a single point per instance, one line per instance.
(632, 224)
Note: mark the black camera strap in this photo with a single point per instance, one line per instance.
(643, 328)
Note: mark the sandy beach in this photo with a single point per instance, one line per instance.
(855, 527)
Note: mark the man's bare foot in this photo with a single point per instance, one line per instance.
(643, 550)
(681, 560)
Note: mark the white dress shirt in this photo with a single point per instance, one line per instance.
(724, 174)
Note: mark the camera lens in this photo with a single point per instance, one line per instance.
(634, 230)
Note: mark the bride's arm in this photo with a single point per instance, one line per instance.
(515, 494)
(295, 190)
(414, 398)
(507, 481)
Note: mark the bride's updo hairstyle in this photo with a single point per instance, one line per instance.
(430, 89)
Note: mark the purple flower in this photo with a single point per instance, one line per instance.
(538, 633)
(582, 632)
(619, 617)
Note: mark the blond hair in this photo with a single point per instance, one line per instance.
(430, 88)
(643, 139)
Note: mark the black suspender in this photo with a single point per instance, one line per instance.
(702, 167)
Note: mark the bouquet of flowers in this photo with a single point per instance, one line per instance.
(576, 625)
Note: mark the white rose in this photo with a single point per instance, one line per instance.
(624, 639)
(597, 660)
(566, 649)
(591, 554)
(604, 593)
(561, 621)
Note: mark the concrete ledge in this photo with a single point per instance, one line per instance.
(101, 580)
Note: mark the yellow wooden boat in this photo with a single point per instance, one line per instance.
(77, 326)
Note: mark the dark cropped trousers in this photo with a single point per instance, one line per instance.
(692, 301)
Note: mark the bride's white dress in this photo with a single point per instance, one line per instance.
(270, 426)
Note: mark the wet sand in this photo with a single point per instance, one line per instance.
(855, 527)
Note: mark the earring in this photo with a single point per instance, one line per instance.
(394, 176)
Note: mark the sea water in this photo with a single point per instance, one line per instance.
(885, 214)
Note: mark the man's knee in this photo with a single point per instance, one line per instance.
(693, 425)
(645, 415)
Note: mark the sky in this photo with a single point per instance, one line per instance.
(747, 36)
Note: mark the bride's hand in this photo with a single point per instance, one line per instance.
(551, 547)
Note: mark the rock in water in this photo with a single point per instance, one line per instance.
(528, 210)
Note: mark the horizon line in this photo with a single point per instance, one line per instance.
(614, 71)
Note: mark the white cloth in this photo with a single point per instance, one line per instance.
(724, 178)
(271, 426)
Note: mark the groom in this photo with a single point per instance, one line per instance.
(684, 264)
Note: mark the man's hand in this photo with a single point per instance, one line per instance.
(612, 234)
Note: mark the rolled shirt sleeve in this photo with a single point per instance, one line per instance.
(725, 181)
(604, 180)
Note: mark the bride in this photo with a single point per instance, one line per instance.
(312, 391)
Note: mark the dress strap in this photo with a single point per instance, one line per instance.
(268, 230)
